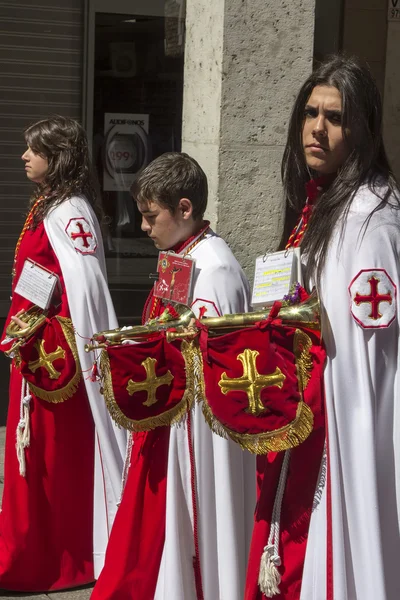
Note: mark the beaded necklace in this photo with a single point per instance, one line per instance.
(187, 246)
(27, 224)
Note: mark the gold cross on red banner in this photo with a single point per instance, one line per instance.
(46, 360)
(252, 382)
(151, 383)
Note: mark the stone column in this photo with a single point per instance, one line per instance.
(245, 61)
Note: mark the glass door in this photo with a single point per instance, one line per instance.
(133, 102)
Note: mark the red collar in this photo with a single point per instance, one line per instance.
(314, 187)
(178, 248)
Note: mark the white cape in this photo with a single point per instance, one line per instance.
(91, 310)
(363, 417)
(225, 474)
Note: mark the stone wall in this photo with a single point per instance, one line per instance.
(245, 61)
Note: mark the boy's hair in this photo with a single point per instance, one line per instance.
(170, 177)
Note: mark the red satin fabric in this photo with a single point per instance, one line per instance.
(47, 517)
(136, 543)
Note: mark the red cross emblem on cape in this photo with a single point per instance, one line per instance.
(148, 384)
(373, 299)
(263, 385)
(82, 237)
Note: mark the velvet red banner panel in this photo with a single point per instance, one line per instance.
(49, 361)
(149, 384)
(254, 383)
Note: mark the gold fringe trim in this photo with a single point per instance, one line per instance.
(167, 418)
(302, 344)
(289, 436)
(57, 396)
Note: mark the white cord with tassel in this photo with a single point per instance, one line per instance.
(269, 577)
(23, 428)
(127, 464)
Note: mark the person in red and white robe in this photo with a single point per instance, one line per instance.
(184, 525)
(349, 234)
(61, 490)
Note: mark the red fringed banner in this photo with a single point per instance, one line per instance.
(49, 361)
(149, 384)
(262, 385)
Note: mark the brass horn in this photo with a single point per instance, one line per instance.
(140, 332)
(305, 314)
(34, 318)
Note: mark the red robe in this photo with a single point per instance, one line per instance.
(46, 520)
(300, 487)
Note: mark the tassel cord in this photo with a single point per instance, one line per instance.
(127, 463)
(273, 539)
(23, 427)
(269, 577)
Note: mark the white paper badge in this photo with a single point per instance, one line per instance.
(36, 284)
(274, 275)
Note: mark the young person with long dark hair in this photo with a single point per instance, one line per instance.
(52, 534)
(347, 224)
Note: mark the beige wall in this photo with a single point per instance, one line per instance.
(244, 64)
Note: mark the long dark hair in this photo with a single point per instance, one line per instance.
(366, 163)
(64, 143)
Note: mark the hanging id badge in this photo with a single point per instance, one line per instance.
(37, 284)
(274, 276)
(175, 275)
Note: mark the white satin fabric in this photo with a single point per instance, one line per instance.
(91, 310)
(362, 398)
(225, 475)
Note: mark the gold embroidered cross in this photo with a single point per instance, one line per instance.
(46, 360)
(251, 381)
(151, 383)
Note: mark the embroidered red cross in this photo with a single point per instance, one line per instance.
(374, 298)
(82, 234)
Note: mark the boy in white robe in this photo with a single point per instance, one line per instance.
(184, 524)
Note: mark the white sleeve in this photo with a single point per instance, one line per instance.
(91, 309)
(360, 296)
(222, 290)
